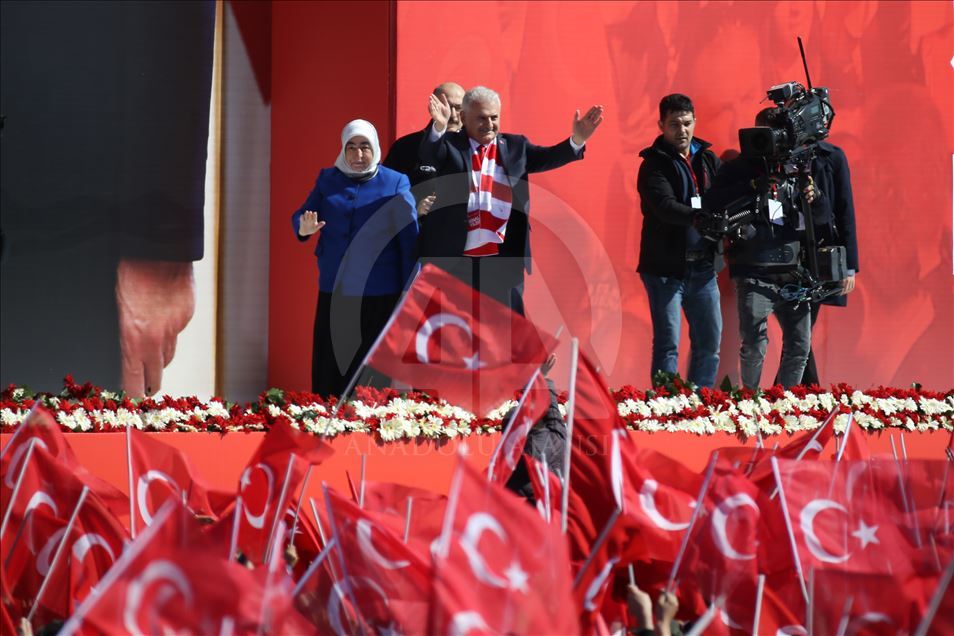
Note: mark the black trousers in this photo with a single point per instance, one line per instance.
(345, 329)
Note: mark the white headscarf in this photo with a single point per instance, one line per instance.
(359, 128)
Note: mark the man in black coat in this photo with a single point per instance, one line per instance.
(478, 229)
(403, 155)
(677, 266)
(834, 219)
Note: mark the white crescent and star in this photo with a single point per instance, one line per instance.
(17, 457)
(514, 577)
(647, 499)
(363, 532)
(81, 547)
(597, 584)
(807, 523)
(142, 491)
(257, 521)
(719, 518)
(462, 623)
(435, 323)
(164, 571)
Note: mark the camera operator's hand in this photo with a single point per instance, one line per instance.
(809, 191)
(847, 285)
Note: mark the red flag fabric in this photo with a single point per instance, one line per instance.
(270, 481)
(389, 582)
(41, 425)
(870, 604)
(502, 568)
(840, 520)
(160, 471)
(465, 347)
(661, 494)
(387, 504)
(547, 490)
(511, 445)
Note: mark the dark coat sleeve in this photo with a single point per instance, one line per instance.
(543, 158)
(844, 208)
(658, 197)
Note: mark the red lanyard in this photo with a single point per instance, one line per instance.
(695, 182)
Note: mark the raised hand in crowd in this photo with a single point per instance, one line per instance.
(585, 126)
(440, 111)
(309, 223)
(640, 607)
(666, 607)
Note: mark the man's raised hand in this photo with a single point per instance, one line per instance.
(585, 126)
(439, 110)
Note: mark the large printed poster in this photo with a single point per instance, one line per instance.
(888, 67)
(105, 141)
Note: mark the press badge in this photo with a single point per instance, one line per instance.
(776, 215)
(696, 202)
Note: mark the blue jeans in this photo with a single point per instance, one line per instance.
(698, 296)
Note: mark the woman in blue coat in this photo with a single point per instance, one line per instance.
(366, 253)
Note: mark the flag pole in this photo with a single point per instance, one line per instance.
(132, 494)
(568, 451)
(407, 518)
(349, 590)
(510, 424)
(692, 520)
(374, 346)
(312, 568)
(279, 513)
(364, 467)
(236, 520)
(16, 488)
(545, 480)
(19, 535)
(58, 555)
(118, 568)
(301, 495)
(707, 617)
(788, 525)
(759, 591)
(942, 585)
(597, 545)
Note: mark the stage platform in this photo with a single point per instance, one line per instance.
(427, 464)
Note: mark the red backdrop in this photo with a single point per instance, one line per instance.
(888, 68)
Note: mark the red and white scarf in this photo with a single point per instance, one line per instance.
(489, 203)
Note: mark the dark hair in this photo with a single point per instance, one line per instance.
(764, 116)
(675, 103)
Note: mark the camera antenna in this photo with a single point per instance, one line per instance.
(801, 49)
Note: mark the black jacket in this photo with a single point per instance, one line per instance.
(403, 157)
(444, 229)
(665, 192)
(834, 210)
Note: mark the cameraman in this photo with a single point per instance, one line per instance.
(834, 219)
(765, 259)
(677, 266)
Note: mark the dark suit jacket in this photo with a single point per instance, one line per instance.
(403, 156)
(444, 230)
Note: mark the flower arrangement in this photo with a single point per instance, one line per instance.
(390, 415)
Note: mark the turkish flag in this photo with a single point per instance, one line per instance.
(466, 348)
(270, 481)
(502, 568)
(547, 489)
(389, 582)
(386, 503)
(840, 521)
(870, 604)
(160, 471)
(172, 590)
(535, 402)
(661, 494)
(41, 425)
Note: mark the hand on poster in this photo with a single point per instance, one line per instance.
(156, 300)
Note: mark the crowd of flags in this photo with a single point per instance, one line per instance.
(811, 537)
